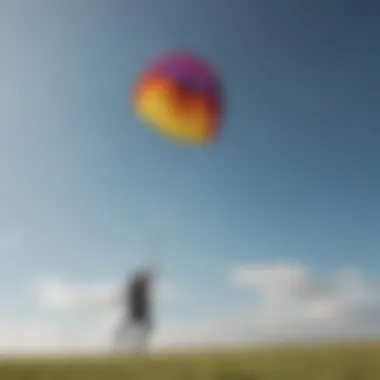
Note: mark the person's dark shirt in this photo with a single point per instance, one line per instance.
(138, 297)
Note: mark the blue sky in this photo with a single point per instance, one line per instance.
(294, 176)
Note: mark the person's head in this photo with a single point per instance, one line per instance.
(143, 274)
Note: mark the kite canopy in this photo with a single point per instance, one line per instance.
(180, 96)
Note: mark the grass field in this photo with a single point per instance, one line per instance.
(349, 361)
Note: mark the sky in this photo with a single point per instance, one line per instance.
(273, 229)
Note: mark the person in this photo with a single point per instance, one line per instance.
(136, 324)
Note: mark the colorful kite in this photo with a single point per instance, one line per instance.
(180, 96)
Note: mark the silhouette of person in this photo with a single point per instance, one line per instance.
(136, 324)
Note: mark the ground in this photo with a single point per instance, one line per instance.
(347, 361)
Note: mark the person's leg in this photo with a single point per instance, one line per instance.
(135, 334)
(121, 333)
(143, 335)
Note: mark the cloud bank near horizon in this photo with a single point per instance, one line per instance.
(289, 302)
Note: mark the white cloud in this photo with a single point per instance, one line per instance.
(335, 296)
(50, 338)
(55, 293)
(296, 304)
(276, 280)
(281, 280)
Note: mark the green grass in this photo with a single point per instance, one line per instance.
(349, 361)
